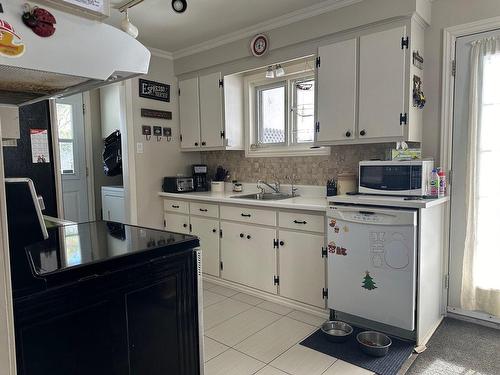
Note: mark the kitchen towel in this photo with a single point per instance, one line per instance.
(349, 351)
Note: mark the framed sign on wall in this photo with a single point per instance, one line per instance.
(88, 8)
(154, 90)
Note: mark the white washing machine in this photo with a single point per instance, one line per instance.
(372, 263)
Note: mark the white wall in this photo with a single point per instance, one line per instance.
(445, 13)
(159, 158)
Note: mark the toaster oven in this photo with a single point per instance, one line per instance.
(178, 184)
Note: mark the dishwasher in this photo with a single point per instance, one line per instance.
(372, 256)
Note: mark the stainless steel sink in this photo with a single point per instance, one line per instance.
(264, 196)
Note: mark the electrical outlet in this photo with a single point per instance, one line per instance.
(140, 147)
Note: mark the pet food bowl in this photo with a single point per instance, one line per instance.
(374, 343)
(336, 331)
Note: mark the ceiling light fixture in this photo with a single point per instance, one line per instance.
(270, 72)
(280, 72)
(179, 6)
(128, 27)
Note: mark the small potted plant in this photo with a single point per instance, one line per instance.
(221, 175)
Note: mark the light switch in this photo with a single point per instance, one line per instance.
(140, 147)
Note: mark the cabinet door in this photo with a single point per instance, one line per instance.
(302, 267)
(248, 255)
(189, 108)
(337, 75)
(208, 232)
(177, 223)
(113, 208)
(381, 84)
(211, 110)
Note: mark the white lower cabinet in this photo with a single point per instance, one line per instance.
(207, 230)
(177, 223)
(302, 267)
(248, 255)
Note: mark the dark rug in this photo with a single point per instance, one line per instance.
(349, 351)
(460, 347)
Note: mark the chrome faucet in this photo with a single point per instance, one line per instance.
(275, 188)
(293, 179)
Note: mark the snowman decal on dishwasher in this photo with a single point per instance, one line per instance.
(388, 250)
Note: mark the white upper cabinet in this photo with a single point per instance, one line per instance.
(337, 76)
(211, 112)
(189, 113)
(382, 84)
(365, 87)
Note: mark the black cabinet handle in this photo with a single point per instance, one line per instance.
(300, 222)
(203, 143)
(362, 132)
(246, 215)
(348, 134)
(196, 143)
(248, 237)
(242, 235)
(214, 230)
(203, 210)
(184, 225)
(282, 243)
(175, 206)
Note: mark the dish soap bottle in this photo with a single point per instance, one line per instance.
(434, 183)
(442, 183)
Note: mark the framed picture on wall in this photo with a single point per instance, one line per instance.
(154, 90)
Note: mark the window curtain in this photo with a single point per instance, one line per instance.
(480, 291)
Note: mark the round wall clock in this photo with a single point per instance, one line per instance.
(259, 45)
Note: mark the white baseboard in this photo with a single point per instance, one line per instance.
(323, 313)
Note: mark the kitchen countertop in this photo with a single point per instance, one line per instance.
(296, 203)
(388, 201)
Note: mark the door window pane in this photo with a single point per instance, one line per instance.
(67, 157)
(272, 114)
(64, 121)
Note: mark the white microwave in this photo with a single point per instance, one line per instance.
(403, 178)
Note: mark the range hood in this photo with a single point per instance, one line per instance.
(82, 54)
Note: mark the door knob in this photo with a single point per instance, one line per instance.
(348, 134)
(184, 225)
(242, 235)
(196, 143)
(214, 230)
(282, 243)
(203, 143)
(248, 237)
(362, 132)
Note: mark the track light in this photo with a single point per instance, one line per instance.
(128, 27)
(179, 6)
(270, 72)
(280, 72)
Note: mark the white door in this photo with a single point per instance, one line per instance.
(189, 108)
(73, 165)
(177, 223)
(381, 84)
(337, 75)
(302, 267)
(208, 232)
(211, 110)
(482, 277)
(248, 255)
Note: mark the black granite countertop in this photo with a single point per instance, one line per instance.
(102, 246)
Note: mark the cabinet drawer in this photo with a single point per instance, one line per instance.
(248, 215)
(204, 209)
(174, 205)
(301, 220)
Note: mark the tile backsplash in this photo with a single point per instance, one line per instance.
(310, 170)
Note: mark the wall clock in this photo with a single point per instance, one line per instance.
(259, 45)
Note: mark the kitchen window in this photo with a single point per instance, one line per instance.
(281, 114)
(65, 137)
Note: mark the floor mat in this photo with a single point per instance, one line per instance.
(460, 347)
(349, 351)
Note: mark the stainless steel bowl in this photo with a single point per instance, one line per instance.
(336, 331)
(374, 343)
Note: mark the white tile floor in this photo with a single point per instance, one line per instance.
(246, 335)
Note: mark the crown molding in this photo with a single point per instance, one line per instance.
(274, 23)
(161, 53)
